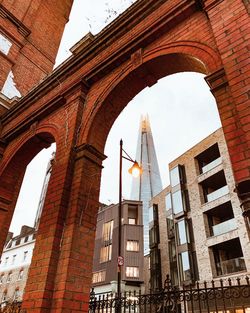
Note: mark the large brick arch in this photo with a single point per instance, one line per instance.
(157, 63)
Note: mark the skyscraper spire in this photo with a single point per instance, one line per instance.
(149, 183)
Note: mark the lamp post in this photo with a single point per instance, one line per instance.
(135, 171)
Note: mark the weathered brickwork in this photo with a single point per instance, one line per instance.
(76, 105)
(34, 29)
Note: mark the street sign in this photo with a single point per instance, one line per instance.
(120, 260)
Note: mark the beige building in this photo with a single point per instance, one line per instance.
(106, 248)
(201, 232)
(15, 262)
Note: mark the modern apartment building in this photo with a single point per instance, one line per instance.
(105, 264)
(197, 231)
(15, 262)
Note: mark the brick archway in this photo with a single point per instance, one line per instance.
(143, 71)
(12, 172)
(83, 97)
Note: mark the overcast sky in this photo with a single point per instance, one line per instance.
(181, 109)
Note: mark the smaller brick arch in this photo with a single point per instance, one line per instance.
(14, 165)
(155, 64)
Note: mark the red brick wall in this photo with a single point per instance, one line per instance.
(35, 29)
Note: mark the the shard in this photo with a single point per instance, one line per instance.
(149, 183)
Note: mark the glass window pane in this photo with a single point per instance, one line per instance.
(185, 266)
(174, 176)
(177, 202)
(168, 201)
(150, 215)
(182, 233)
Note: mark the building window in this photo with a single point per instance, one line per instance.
(98, 277)
(182, 232)
(168, 201)
(6, 261)
(132, 245)
(25, 255)
(13, 259)
(9, 277)
(174, 176)
(4, 298)
(20, 275)
(107, 231)
(185, 269)
(106, 253)
(16, 295)
(132, 271)
(131, 221)
(1, 278)
(26, 238)
(132, 214)
(178, 203)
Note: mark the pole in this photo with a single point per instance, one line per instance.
(119, 222)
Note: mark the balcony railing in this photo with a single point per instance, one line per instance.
(211, 165)
(231, 266)
(217, 193)
(224, 227)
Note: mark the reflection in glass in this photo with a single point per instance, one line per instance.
(177, 202)
(185, 266)
(182, 232)
(175, 176)
(168, 201)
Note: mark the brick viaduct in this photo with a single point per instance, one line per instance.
(76, 105)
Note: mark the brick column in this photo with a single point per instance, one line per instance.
(235, 136)
(74, 271)
(230, 21)
(48, 257)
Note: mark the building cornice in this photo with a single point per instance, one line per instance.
(20, 26)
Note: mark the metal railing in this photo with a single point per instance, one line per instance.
(11, 307)
(231, 266)
(222, 296)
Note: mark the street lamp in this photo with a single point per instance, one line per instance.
(135, 171)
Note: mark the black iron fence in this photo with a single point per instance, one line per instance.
(223, 296)
(11, 307)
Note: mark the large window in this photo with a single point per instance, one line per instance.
(132, 271)
(98, 277)
(107, 231)
(1, 278)
(178, 203)
(106, 253)
(182, 232)
(185, 269)
(132, 245)
(175, 176)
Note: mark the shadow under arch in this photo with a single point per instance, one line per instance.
(109, 105)
(11, 176)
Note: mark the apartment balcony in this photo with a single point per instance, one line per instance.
(231, 266)
(217, 193)
(211, 165)
(224, 227)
